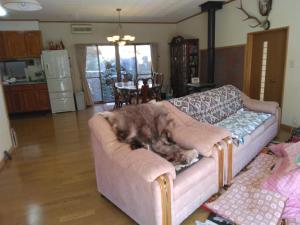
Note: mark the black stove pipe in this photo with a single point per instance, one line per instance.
(211, 7)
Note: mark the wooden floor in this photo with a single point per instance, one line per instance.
(51, 178)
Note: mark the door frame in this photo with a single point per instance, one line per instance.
(248, 58)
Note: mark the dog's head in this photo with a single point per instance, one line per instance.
(117, 123)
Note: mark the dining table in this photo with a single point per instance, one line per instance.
(129, 89)
(130, 86)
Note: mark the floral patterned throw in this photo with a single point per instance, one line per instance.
(243, 123)
(223, 107)
(210, 106)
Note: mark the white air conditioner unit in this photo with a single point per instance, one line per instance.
(81, 28)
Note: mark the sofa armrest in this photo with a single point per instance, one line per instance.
(142, 162)
(199, 136)
(131, 183)
(260, 106)
(146, 164)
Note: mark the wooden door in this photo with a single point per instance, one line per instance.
(15, 44)
(266, 59)
(33, 43)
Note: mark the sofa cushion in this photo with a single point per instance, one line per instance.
(259, 130)
(187, 179)
(192, 187)
(253, 144)
(243, 123)
(210, 106)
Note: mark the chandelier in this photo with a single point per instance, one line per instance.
(120, 39)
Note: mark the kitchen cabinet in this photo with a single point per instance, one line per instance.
(14, 101)
(27, 97)
(14, 42)
(33, 43)
(43, 100)
(20, 44)
(2, 46)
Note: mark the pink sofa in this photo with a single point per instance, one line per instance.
(218, 104)
(146, 187)
(253, 144)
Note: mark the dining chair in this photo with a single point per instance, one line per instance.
(144, 92)
(125, 78)
(120, 99)
(158, 78)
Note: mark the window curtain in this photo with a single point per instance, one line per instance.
(81, 63)
(154, 57)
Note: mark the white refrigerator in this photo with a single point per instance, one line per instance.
(57, 70)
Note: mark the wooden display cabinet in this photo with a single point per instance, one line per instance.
(184, 63)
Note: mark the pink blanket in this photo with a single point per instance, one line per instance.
(285, 178)
(245, 202)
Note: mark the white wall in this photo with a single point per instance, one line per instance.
(145, 33)
(5, 140)
(231, 30)
(196, 27)
(19, 25)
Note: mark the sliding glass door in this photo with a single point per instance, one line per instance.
(102, 61)
(92, 73)
(127, 63)
(108, 71)
(100, 71)
(144, 61)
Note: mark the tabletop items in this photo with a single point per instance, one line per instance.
(141, 91)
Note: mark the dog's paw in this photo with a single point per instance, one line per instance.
(190, 156)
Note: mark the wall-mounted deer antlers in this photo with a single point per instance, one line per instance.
(264, 24)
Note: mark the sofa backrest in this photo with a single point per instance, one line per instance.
(210, 106)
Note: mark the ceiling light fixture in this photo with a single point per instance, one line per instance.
(120, 39)
(22, 5)
(2, 11)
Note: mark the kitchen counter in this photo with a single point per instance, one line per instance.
(27, 97)
(25, 83)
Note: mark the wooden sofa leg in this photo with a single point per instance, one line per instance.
(165, 189)
(221, 164)
(229, 159)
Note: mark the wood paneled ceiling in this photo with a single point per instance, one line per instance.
(162, 11)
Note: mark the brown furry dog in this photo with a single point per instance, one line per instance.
(148, 126)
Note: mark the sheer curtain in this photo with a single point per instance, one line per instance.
(154, 57)
(81, 63)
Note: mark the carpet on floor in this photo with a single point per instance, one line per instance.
(244, 201)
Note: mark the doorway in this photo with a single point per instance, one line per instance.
(265, 62)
